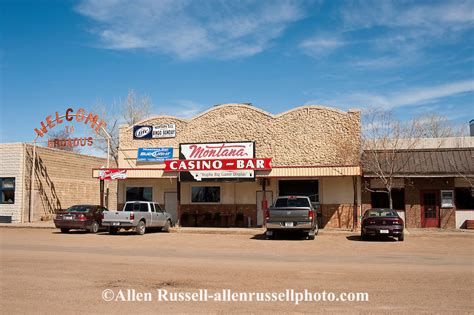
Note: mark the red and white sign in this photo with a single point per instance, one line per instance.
(205, 151)
(218, 165)
(213, 161)
(112, 174)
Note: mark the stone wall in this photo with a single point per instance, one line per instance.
(308, 135)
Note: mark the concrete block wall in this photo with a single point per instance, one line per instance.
(11, 165)
(63, 179)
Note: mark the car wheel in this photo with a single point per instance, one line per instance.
(316, 229)
(140, 229)
(363, 237)
(94, 227)
(166, 228)
(401, 238)
(113, 230)
(64, 230)
(311, 237)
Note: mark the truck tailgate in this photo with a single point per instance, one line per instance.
(117, 216)
(288, 214)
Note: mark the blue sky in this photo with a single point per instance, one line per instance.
(412, 57)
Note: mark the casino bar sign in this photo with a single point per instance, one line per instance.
(217, 161)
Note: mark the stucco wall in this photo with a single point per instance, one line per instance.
(309, 135)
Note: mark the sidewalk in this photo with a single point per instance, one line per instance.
(247, 231)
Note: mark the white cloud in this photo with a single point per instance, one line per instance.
(396, 32)
(394, 99)
(182, 109)
(320, 45)
(190, 29)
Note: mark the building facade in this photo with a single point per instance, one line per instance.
(433, 185)
(61, 180)
(314, 151)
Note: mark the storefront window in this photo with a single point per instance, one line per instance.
(206, 194)
(463, 198)
(139, 194)
(309, 188)
(7, 188)
(380, 199)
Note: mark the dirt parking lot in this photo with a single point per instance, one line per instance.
(43, 271)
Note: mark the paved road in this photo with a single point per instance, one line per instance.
(43, 271)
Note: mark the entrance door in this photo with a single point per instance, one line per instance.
(171, 205)
(429, 209)
(269, 197)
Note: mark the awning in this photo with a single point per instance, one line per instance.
(277, 171)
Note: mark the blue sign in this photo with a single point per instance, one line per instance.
(142, 132)
(154, 154)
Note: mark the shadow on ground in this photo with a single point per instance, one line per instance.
(357, 238)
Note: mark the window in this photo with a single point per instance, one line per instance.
(308, 188)
(205, 194)
(295, 202)
(463, 198)
(447, 199)
(380, 199)
(7, 188)
(137, 206)
(139, 194)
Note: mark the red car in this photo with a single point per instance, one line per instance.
(385, 222)
(82, 217)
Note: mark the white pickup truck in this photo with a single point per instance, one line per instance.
(138, 215)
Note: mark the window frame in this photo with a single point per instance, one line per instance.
(9, 189)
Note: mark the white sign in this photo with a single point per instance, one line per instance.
(221, 151)
(164, 131)
(447, 199)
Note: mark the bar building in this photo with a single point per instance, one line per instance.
(314, 150)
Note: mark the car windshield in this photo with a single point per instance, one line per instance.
(291, 202)
(79, 209)
(142, 207)
(381, 213)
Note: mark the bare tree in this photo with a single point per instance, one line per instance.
(61, 137)
(384, 136)
(129, 111)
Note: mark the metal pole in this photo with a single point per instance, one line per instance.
(32, 182)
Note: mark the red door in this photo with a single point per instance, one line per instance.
(429, 209)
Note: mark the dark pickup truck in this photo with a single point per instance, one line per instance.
(291, 213)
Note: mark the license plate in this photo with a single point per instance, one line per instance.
(288, 224)
(383, 231)
(115, 223)
(68, 218)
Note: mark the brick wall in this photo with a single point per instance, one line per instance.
(337, 216)
(205, 215)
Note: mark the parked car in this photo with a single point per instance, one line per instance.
(82, 217)
(291, 214)
(138, 215)
(381, 221)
